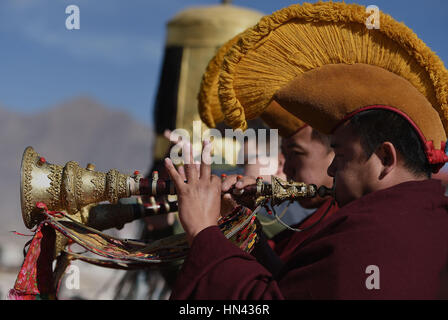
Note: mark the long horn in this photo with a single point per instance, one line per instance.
(71, 188)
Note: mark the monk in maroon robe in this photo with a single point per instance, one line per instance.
(392, 229)
(388, 240)
(307, 155)
(287, 241)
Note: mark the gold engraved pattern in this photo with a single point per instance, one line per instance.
(112, 189)
(122, 185)
(27, 205)
(99, 185)
(78, 185)
(283, 190)
(55, 177)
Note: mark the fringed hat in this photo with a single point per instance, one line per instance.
(322, 64)
(210, 108)
(208, 101)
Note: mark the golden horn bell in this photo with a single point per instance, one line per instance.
(67, 188)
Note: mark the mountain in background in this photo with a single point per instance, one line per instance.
(80, 129)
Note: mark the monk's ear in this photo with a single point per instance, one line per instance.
(387, 154)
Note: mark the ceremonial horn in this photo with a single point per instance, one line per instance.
(72, 188)
(68, 188)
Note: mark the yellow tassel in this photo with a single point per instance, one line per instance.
(208, 101)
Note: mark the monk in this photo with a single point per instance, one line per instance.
(381, 94)
(388, 240)
(307, 156)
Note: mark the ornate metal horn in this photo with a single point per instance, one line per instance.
(68, 188)
(72, 189)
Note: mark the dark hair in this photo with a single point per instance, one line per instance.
(377, 126)
(322, 138)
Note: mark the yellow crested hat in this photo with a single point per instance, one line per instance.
(322, 63)
(210, 108)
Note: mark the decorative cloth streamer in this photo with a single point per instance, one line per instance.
(36, 278)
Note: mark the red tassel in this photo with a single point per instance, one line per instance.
(435, 156)
(35, 278)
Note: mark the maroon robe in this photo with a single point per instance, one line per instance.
(403, 230)
(286, 242)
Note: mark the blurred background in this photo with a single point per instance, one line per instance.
(90, 95)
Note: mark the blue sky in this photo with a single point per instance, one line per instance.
(117, 54)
